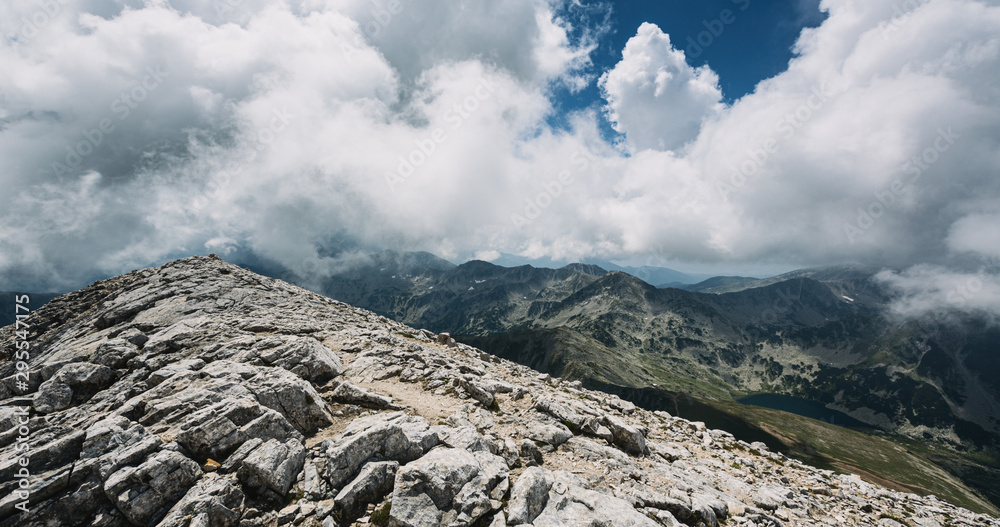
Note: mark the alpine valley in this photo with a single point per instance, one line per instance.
(822, 338)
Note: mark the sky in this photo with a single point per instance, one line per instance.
(698, 29)
(731, 135)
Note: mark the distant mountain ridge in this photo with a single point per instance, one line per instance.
(652, 274)
(829, 274)
(819, 334)
(202, 394)
(801, 333)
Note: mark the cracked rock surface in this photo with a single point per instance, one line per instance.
(201, 394)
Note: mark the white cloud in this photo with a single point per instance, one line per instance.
(522, 36)
(935, 290)
(654, 97)
(278, 126)
(487, 256)
(976, 233)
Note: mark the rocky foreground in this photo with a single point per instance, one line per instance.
(202, 394)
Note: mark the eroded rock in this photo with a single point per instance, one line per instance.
(186, 396)
(145, 493)
(448, 486)
(273, 466)
(394, 436)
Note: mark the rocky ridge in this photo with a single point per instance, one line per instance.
(202, 394)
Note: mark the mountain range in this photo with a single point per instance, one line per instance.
(201, 394)
(823, 335)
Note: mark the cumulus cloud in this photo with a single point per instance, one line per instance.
(305, 132)
(654, 97)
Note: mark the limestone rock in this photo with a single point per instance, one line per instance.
(448, 487)
(273, 466)
(628, 437)
(79, 379)
(189, 395)
(373, 482)
(213, 501)
(528, 497)
(570, 503)
(115, 353)
(116, 442)
(770, 497)
(303, 356)
(85, 375)
(669, 451)
(466, 438)
(563, 413)
(349, 393)
(395, 436)
(553, 434)
(146, 492)
(477, 391)
(53, 396)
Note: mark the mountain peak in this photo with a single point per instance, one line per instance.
(586, 269)
(200, 393)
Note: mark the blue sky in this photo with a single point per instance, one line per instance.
(744, 41)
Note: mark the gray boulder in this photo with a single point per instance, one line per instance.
(273, 466)
(213, 501)
(77, 378)
(669, 451)
(466, 438)
(234, 461)
(570, 503)
(770, 497)
(530, 451)
(573, 420)
(528, 497)
(448, 487)
(116, 442)
(145, 493)
(553, 434)
(303, 356)
(349, 393)
(394, 436)
(85, 375)
(477, 391)
(626, 436)
(373, 483)
(115, 353)
(53, 396)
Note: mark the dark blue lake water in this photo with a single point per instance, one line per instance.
(803, 407)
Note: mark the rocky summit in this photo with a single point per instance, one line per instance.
(202, 394)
